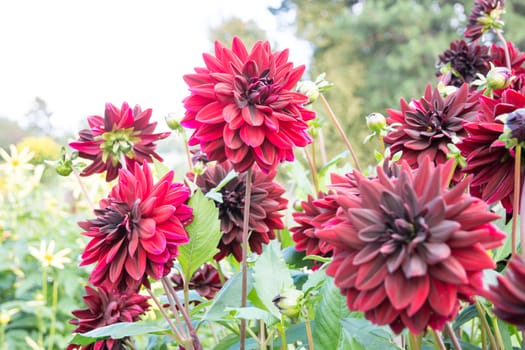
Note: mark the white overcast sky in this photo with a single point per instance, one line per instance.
(78, 55)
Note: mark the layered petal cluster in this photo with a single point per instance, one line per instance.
(315, 213)
(484, 15)
(123, 133)
(517, 60)
(426, 126)
(508, 295)
(137, 230)
(488, 159)
(243, 109)
(106, 307)
(205, 281)
(466, 60)
(266, 205)
(407, 249)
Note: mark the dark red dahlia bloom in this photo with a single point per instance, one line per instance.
(465, 60)
(488, 159)
(407, 248)
(508, 295)
(243, 109)
(485, 15)
(122, 134)
(137, 230)
(517, 60)
(106, 307)
(429, 124)
(267, 202)
(206, 281)
(314, 215)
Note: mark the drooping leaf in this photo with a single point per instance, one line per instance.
(117, 331)
(204, 232)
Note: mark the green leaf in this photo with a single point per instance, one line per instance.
(271, 276)
(368, 335)
(329, 312)
(228, 297)
(116, 331)
(464, 316)
(160, 168)
(251, 313)
(204, 232)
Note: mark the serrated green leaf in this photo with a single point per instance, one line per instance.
(204, 232)
(329, 312)
(116, 331)
(271, 276)
(228, 297)
(368, 335)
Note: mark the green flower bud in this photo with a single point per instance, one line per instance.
(64, 168)
(289, 302)
(173, 122)
(376, 122)
(499, 77)
(310, 89)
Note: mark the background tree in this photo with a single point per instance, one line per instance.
(248, 31)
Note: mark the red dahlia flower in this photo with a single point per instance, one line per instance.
(517, 60)
(243, 109)
(206, 281)
(122, 134)
(508, 294)
(488, 159)
(267, 202)
(137, 230)
(407, 248)
(429, 124)
(106, 307)
(484, 16)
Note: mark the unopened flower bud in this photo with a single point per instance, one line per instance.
(289, 302)
(376, 122)
(499, 78)
(199, 168)
(516, 124)
(310, 89)
(64, 168)
(173, 122)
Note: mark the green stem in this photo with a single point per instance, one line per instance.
(282, 330)
(54, 304)
(516, 197)
(452, 336)
(244, 264)
(413, 341)
(187, 150)
(382, 144)
(322, 147)
(497, 333)
(262, 334)
(2, 336)
(179, 337)
(309, 335)
(340, 131)
(438, 341)
(313, 170)
(485, 325)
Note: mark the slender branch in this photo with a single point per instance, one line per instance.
(322, 147)
(178, 336)
(439, 341)
(173, 307)
(84, 189)
(313, 170)
(452, 336)
(245, 228)
(497, 333)
(413, 341)
(505, 48)
(309, 335)
(340, 131)
(54, 303)
(187, 151)
(485, 324)
(516, 198)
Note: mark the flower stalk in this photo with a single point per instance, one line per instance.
(485, 324)
(516, 198)
(244, 261)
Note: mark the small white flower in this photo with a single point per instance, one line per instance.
(48, 257)
(16, 161)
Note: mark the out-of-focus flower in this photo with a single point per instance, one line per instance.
(485, 16)
(206, 281)
(376, 122)
(488, 159)
(464, 62)
(6, 315)
(517, 67)
(243, 109)
(17, 161)
(508, 294)
(407, 248)
(289, 302)
(123, 133)
(137, 230)
(514, 128)
(267, 202)
(310, 89)
(106, 307)
(429, 124)
(315, 212)
(48, 257)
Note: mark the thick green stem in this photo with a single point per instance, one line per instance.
(485, 325)
(309, 335)
(341, 131)
(244, 263)
(282, 330)
(413, 341)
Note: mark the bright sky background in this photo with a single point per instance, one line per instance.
(78, 55)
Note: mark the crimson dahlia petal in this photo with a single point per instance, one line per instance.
(488, 159)
(137, 230)
(267, 202)
(106, 307)
(428, 125)
(243, 109)
(123, 133)
(206, 281)
(407, 248)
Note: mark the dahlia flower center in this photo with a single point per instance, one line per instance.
(256, 90)
(118, 143)
(111, 313)
(232, 199)
(434, 121)
(404, 233)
